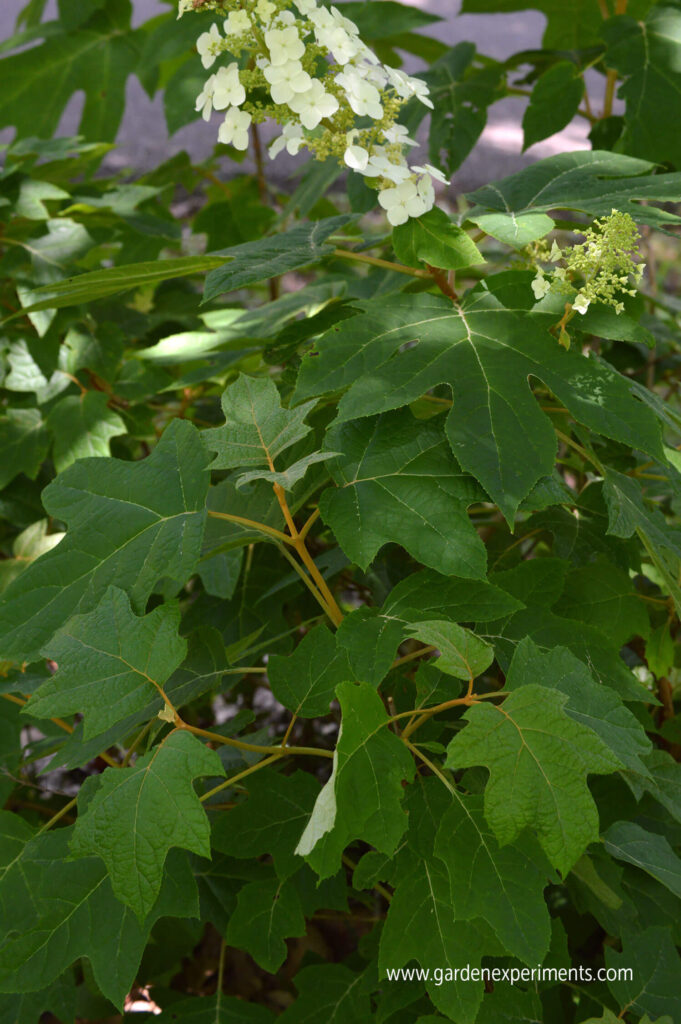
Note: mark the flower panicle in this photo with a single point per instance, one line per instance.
(305, 66)
(600, 269)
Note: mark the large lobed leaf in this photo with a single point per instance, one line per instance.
(130, 524)
(131, 817)
(399, 349)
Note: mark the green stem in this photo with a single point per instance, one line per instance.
(252, 524)
(399, 268)
(242, 775)
(60, 814)
(256, 748)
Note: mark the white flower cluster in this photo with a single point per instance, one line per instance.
(320, 77)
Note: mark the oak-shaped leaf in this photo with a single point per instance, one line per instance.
(539, 583)
(397, 481)
(421, 925)
(589, 703)
(363, 797)
(504, 885)
(24, 440)
(270, 820)
(258, 430)
(55, 909)
(82, 426)
(133, 816)
(329, 994)
(130, 524)
(538, 759)
(555, 98)
(305, 681)
(655, 987)
(400, 348)
(266, 914)
(111, 663)
(461, 653)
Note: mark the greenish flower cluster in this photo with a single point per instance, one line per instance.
(600, 269)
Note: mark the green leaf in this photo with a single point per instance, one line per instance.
(328, 994)
(287, 478)
(555, 100)
(24, 441)
(486, 354)
(217, 1009)
(660, 650)
(510, 1006)
(398, 482)
(347, 808)
(96, 58)
(426, 594)
(461, 653)
(110, 663)
(538, 760)
(516, 231)
(603, 595)
(56, 907)
(102, 284)
(628, 514)
(433, 239)
(30, 544)
(662, 779)
(267, 913)
(646, 54)
(504, 885)
(422, 926)
(589, 703)
(82, 426)
(539, 583)
(130, 523)
(268, 257)
(305, 681)
(656, 984)
(59, 999)
(257, 430)
(592, 182)
(270, 820)
(628, 841)
(370, 641)
(133, 816)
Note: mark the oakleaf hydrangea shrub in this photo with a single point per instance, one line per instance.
(340, 552)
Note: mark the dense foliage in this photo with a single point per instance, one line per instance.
(339, 603)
